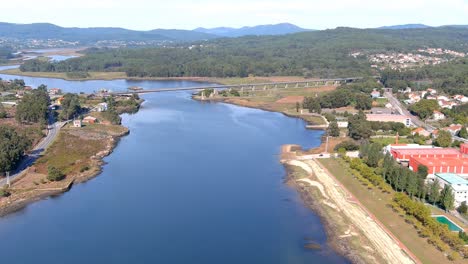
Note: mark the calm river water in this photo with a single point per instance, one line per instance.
(192, 183)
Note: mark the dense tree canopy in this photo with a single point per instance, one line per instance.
(33, 107)
(12, 147)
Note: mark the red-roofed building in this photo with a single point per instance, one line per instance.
(453, 129)
(438, 165)
(421, 131)
(405, 154)
(464, 148)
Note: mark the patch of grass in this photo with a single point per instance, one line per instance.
(377, 203)
(390, 140)
(69, 153)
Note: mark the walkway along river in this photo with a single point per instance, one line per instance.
(192, 183)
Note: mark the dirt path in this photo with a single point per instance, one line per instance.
(383, 243)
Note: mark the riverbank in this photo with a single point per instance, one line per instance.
(123, 75)
(77, 152)
(351, 231)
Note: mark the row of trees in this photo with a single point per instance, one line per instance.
(403, 179)
(408, 185)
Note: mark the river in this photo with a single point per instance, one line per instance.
(192, 183)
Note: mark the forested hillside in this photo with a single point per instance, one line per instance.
(313, 54)
(451, 77)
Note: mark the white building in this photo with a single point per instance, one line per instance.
(458, 185)
(438, 115)
(77, 123)
(101, 107)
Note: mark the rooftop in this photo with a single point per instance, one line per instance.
(427, 151)
(452, 178)
(435, 162)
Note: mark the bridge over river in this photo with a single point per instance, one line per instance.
(250, 87)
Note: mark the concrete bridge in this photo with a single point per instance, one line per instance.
(250, 87)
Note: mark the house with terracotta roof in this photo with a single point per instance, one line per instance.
(421, 132)
(89, 120)
(453, 129)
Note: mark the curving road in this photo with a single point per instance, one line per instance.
(52, 132)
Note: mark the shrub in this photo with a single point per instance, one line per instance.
(55, 174)
(348, 145)
(4, 192)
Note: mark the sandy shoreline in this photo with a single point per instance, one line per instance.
(352, 232)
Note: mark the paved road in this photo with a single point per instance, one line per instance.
(29, 159)
(414, 119)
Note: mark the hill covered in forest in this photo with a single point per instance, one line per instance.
(325, 53)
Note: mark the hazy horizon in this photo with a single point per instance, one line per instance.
(184, 14)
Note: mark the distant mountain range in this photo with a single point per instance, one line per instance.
(406, 26)
(277, 29)
(418, 26)
(90, 36)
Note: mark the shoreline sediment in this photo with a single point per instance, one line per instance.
(17, 202)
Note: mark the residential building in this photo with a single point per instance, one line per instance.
(77, 123)
(55, 91)
(438, 115)
(375, 94)
(421, 131)
(453, 129)
(458, 185)
(101, 107)
(89, 120)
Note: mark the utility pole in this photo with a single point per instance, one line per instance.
(8, 178)
(326, 145)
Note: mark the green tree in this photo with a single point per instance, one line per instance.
(55, 174)
(12, 148)
(412, 185)
(363, 102)
(70, 106)
(312, 104)
(424, 108)
(463, 208)
(463, 132)
(422, 171)
(333, 129)
(359, 127)
(33, 107)
(434, 193)
(444, 139)
(3, 113)
(447, 198)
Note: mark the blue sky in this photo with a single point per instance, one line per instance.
(186, 14)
